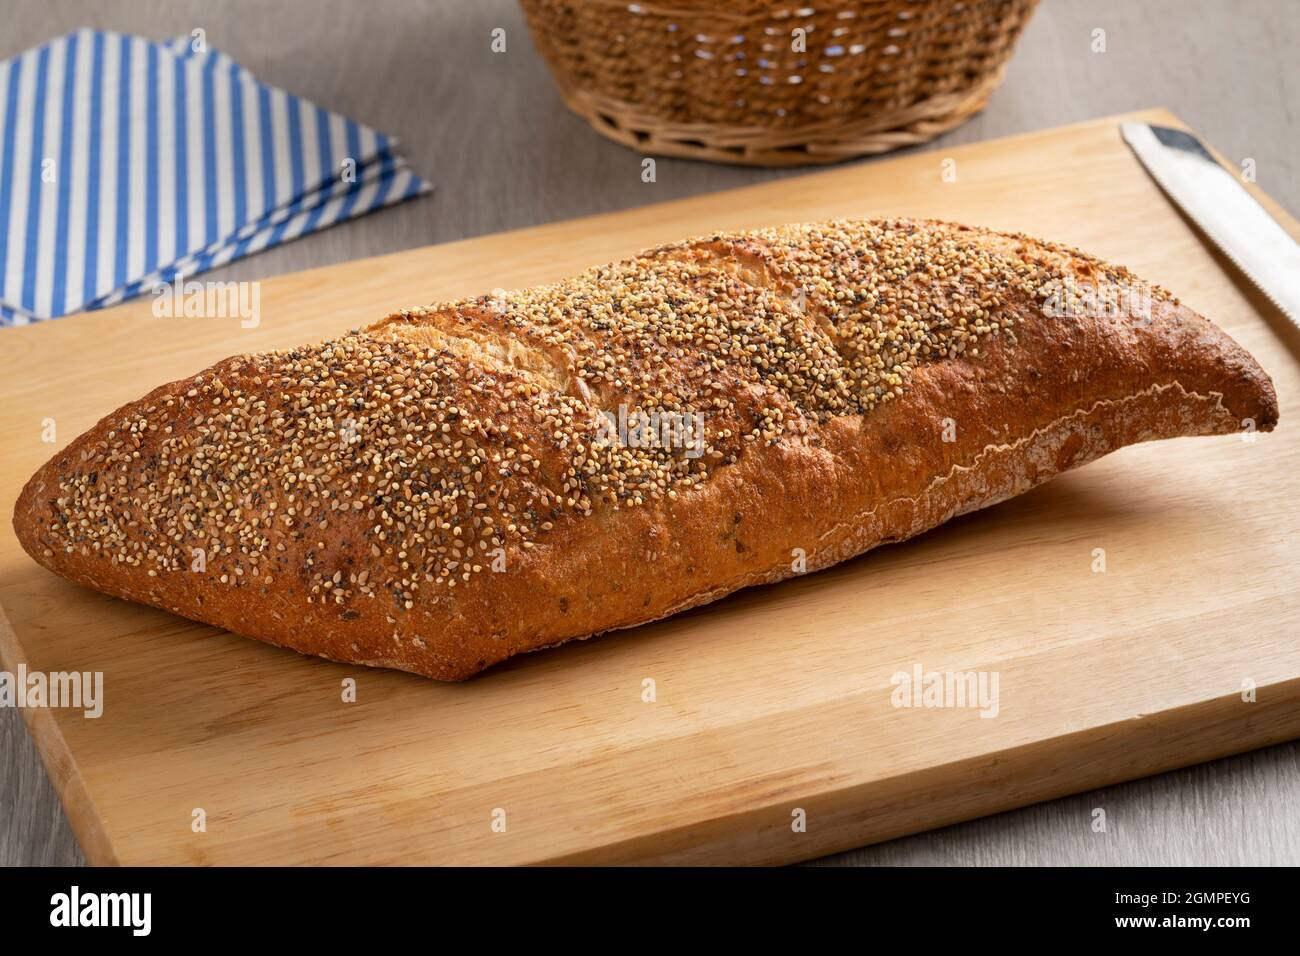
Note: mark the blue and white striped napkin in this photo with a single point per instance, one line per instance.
(124, 163)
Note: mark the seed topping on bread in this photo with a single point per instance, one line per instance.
(455, 436)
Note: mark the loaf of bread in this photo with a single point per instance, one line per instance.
(461, 483)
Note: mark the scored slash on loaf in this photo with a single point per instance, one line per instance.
(445, 489)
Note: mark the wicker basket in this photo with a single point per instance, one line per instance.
(734, 81)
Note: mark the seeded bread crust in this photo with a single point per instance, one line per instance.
(860, 383)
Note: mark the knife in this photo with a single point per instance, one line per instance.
(1220, 206)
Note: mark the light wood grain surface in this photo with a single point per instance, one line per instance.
(490, 132)
(774, 699)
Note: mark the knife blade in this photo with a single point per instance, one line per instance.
(1222, 209)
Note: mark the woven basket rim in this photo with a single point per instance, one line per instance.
(725, 9)
(604, 56)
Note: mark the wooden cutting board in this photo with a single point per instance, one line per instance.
(774, 701)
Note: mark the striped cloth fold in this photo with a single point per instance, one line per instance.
(124, 163)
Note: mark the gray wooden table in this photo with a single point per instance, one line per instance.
(491, 133)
